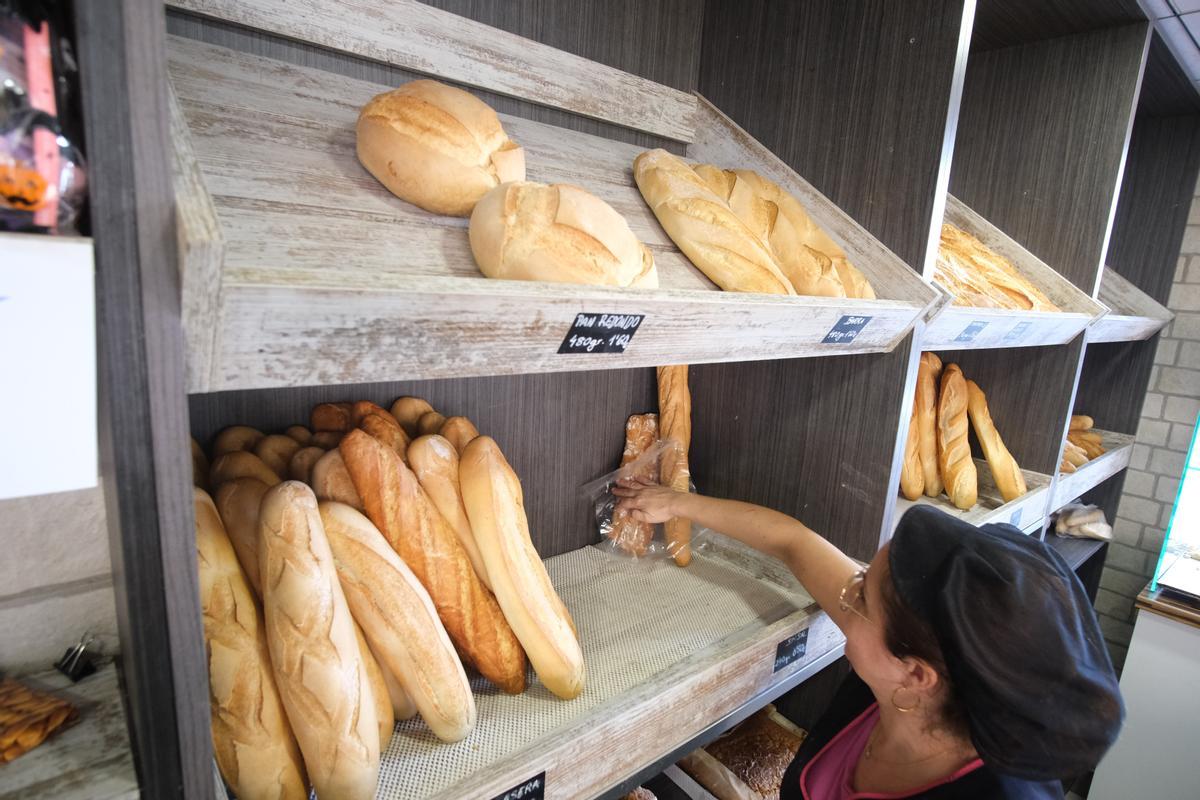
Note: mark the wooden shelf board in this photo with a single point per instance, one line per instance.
(1133, 315)
(92, 759)
(1024, 512)
(304, 270)
(670, 654)
(1075, 550)
(1069, 486)
(963, 327)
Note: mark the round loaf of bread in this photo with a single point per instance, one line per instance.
(436, 146)
(559, 233)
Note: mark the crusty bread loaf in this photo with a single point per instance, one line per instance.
(301, 466)
(430, 423)
(400, 621)
(954, 450)
(378, 696)
(435, 462)
(558, 233)
(301, 434)
(630, 535)
(240, 464)
(702, 225)
(318, 668)
(331, 480)
(408, 412)
(1007, 475)
(458, 431)
(332, 417)
(1090, 442)
(388, 431)
(1080, 422)
(1074, 454)
(199, 466)
(402, 705)
(912, 476)
(403, 512)
(276, 452)
(929, 373)
(493, 498)
(238, 502)
(675, 425)
(252, 741)
(978, 276)
(436, 146)
(235, 437)
(748, 762)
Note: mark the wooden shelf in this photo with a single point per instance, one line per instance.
(299, 268)
(1118, 447)
(1132, 314)
(1076, 550)
(964, 328)
(92, 759)
(1026, 512)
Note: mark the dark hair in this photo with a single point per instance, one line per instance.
(907, 634)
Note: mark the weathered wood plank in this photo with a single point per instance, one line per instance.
(1133, 314)
(415, 36)
(1068, 486)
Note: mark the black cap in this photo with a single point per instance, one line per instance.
(1020, 640)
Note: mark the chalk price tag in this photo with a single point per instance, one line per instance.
(971, 331)
(791, 649)
(846, 330)
(601, 333)
(1018, 332)
(532, 789)
(1015, 519)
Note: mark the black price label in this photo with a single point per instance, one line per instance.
(791, 650)
(1018, 332)
(532, 789)
(601, 333)
(846, 330)
(971, 331)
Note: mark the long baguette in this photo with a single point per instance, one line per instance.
(1008, 476)
(331, 480)
(675, 425)
(400, 621)
(318, 667)
(630, 535)
(379, 696)
(912, 477)
(929, 371)
(238, 502)
(254, 746)
(492, 495)
(459, 431)
(954, 450)
(434, 459)
(407, 518)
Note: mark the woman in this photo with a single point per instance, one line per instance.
(979, 668)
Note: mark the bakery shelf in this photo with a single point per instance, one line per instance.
(1026, 512)
(1074, 550)
(1118, 447)
(1132, 314)
(299, 268)
(672, 655)
(92, 759)
(964, 328)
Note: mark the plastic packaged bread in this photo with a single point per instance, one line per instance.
(318, 667)
(631, 536)
(252, 740)
(436, 146)
(493, 498)
(748, 762)
(559, 233)
(979, 277)
(703, 226)
(675, 425)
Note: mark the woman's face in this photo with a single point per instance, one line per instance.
(866, 647)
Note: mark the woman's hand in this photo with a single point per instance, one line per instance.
(646, 501)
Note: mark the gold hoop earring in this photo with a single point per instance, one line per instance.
(904, 709)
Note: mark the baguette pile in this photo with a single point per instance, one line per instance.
(937, 453)
(349, 573)
(979, 277)
(1083, 444)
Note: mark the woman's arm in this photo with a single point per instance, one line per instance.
(819, 566)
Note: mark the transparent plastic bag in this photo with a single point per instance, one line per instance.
(620, 534)
(1082, 521)
(42, 177)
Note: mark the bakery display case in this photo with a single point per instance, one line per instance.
(265, 271)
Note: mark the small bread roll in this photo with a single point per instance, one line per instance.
(435, 462)
(240, 464)
(331, 481)
(276, 451)
(332, 417)
(301, 466)
(238, 502)
(430, 423)
(327, 440)
(1080, 422)
(301, 434)
(458, 431)
(408, 412)
(436, 146)
(235, 437)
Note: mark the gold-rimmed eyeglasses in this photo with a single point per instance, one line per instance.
(851, 597)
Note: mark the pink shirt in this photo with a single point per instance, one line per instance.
(830, 773)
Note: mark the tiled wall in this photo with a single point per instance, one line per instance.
(1164, 432)
(55, 577)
